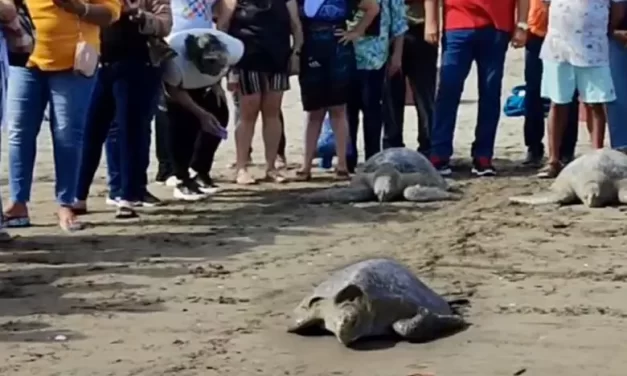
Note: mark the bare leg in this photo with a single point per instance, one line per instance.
(339, 123)
(250, 106)
(314, 125)
(272, 130)
(596, 119)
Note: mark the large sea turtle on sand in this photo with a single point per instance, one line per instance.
(376, 297)
(389, 175)
(596, 179)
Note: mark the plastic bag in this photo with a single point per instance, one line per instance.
(326, 145)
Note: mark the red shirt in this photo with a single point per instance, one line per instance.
(474, 14)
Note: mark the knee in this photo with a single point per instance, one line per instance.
(338, 112)
(249, 107)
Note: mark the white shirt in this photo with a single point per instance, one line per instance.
(182, 73)
(577, 32)
(191, 14)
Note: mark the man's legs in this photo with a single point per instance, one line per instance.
(534, 103)
(457, 57)
(617, 110)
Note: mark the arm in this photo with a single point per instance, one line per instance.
(432, 21)
(7, 11)
(156, 19)
(370, 9)
(617, 14)
(398, 28)
(224, 11)
(522, 11)
(101, 13)
(297, 27)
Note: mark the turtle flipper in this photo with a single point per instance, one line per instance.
(301, 324)
(353, 193)
(622, 191)
(548, 198)
(417, 193)
(427, 326)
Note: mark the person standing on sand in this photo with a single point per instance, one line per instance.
(534, 106)
(420, 68)
(575, 57)
(480, 31)
(15, 42)
(617, 110)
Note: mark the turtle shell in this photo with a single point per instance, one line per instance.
(403, 159)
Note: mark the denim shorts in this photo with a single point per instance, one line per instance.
(561, 80)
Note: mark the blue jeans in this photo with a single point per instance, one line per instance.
(617, 110)
(30, 91)
(534, 106)
(487, 47)
(366, 96)
(121, 110)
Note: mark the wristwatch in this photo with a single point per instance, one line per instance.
(523, 26)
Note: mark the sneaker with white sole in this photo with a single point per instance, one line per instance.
(112, 201)
(189, 191)
(172, 182)
(149, 201)
(206, 184)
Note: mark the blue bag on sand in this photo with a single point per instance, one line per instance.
(515, 103)
(326, 145)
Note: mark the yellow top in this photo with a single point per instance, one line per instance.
(57, 33)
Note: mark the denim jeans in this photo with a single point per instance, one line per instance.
(420, 67)
(366, 96)
(534, 107)
(30, 91)
(121, 110)
(487, 47)
(617, 110)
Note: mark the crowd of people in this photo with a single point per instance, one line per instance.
(104, 69)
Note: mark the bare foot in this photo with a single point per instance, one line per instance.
(67, 220)
(303, 175)
(281, 162)
(275, 177)
(244, 178)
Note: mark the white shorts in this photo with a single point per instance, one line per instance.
(561, 80)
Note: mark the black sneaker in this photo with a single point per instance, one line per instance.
(483, 167)
(533, 160)
(188, 191)
(206, 184)
(150, 200)
(442, 165)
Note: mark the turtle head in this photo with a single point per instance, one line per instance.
(208, 54)
(351, 319)
(387, 183)
(591, 196)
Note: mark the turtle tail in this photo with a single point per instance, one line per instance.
(539, 199)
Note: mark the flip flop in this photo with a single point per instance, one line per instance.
(16, 222)
(71, 227)
(124, 212)
(342, 175)
(303, 176)
(275, 177)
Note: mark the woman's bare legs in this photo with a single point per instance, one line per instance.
(250, 105)
(596, 120)
(339, 123)
(314, 125)
(272, 129)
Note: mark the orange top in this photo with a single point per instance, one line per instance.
(538, 18)
(57, 33)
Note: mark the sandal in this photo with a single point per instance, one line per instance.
(16, 222)
(342, 175)
(68, 223)
(244, 178)
(550, 170)
(274, 176)
(303, 176)
(125, 212)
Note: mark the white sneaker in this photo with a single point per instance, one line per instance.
(172, 182)
(188, 193)
(112, 201)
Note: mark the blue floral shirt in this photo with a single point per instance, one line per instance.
(372, 53)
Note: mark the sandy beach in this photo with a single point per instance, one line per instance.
(207, 289)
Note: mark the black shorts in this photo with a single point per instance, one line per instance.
(252, 82)
(326, 68)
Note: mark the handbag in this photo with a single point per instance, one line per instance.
(20, 36)
(86, 56)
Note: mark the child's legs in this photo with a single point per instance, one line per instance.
(595, 90)
(558, 84)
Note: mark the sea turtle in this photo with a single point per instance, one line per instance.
(376, 297)
(389, 175)
(597, 179)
